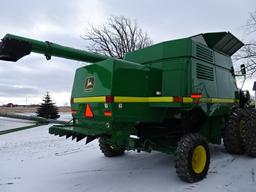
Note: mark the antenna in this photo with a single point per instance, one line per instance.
(254, 89)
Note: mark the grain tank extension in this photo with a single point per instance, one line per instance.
(173, 97)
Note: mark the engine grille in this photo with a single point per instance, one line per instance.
(204, 72)
(204, 53)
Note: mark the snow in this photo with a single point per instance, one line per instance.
(32, 160)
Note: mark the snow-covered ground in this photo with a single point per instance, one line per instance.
(34, 161)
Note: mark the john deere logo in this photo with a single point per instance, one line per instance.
(89, 83)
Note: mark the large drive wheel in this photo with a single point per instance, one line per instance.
(109, 150)
(250, 135)
(192, 158)
(234, 131)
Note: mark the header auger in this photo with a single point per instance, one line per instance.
(174, 97)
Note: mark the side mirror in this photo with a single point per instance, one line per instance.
(242, 69)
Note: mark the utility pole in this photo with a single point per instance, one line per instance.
(254, 89)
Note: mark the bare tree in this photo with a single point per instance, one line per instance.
(247, 55)
(251, 23)
(116, 37)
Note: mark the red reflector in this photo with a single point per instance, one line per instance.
(73, 111)
(107, 113)
(177, 99)
(196, 95)
(109, 99)
(88, 111)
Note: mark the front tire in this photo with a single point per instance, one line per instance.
(192, 158)
(234, 131)
(109, 150)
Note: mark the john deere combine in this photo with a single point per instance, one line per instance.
(173, 97)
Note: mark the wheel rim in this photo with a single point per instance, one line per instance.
(199, 159)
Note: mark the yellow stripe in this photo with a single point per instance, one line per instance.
(90, 99)
(187, 100)
(120, 99)
(160, 99)
(130, 99)
(143, 99)
(206, 100)
(220, 100)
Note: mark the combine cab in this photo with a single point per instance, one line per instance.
(173, 97)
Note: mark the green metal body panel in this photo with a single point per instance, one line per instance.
(161, 51)
(158, 93)
(111, 76)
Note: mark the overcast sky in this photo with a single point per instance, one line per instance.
(64, 21)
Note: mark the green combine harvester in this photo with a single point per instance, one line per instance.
(175, 97)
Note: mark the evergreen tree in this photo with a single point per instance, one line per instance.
(47, 109)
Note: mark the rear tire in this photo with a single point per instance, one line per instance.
(192, 158)
(109, 150)
(250, 135)
(234, 131)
